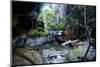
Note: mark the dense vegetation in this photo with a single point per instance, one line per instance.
(40, 27)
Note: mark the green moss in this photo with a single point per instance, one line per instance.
(27, 53)
(78, 52)
(38, 31)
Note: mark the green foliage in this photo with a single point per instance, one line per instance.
(38, 31)
(49, 17)
(59, 25)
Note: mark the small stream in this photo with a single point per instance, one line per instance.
(53, 52)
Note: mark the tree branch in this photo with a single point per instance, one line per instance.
(88, 34)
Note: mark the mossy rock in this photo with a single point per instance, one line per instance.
(38, 31)
(78, 52)
(30, 55)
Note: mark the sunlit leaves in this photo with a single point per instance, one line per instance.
(56, 25)
(49, 16)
